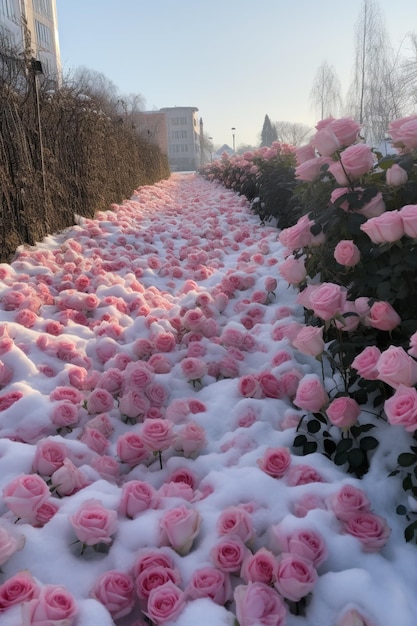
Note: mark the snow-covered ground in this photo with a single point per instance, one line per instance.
(142, 331)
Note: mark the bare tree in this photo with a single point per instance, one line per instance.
(376, 95)
(409, 73)
(325, 92)
(293, 133)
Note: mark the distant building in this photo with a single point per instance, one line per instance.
(42, 26)
(183, 138)
(224, 149)
(153, 127)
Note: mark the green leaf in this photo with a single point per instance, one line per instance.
(329, 446)
(368, 443)
(300, 440)
(356, 458)
(406, 459)
(393, 473)
(344, 445)
(313, 426)
(409, 531)
(310, 447)
(407, 483)
(340, 458)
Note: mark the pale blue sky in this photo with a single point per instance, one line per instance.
(236, 60)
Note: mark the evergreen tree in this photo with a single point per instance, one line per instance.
(269, 132)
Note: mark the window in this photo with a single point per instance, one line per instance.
(43, 35)
(7, 8)
(6, 37)
(44, 7)
(178, 134)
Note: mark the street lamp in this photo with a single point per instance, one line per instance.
(233, 136)
(211, 148)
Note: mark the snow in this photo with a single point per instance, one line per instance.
(141, 253)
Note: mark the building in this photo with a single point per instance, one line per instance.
(183, 134)
(42, 26)
(152, 126)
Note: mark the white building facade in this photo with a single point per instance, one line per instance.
(183, 129)
(42, 24)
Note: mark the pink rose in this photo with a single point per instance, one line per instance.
(383, 317)
(327, 300)
(6, 374)
(346, 130)
(270, 283)
(309, 340)
(296, 576)
(250, 387)
(395, 367)
(401, 408)
(18, 589)
(311, 169)
(68, 479)
(157, 434)
(164, 342)
(180, 526)
(258, 604)
(375, 206)
(154, 576)
(137, 374)
(93, 523)
(385, 228)
(293, 270)
(99, 401)
(408, 215)
(49, 456)
(115, 591)
(275, 461)
(372, 530)
(404, 132)
(210, 582)
(165, 603)
(260, 567)
(66, 394)
(160, 364)
(297, 236)
(365, 362)
(348, 501)
(149, 558)
(156, 393)
(133, 404)
(308, 502)
(357, 160)
(193, 368)
(54, 606)
(347, 253)
(396, 176)
(353, 618)
(311, 395)
(304, 153)
(137, 496)
(343, 411)
(235, 520)
(271, 386)
(190, 439)
(25, 494)
(338, 171)
(325, 141)
(131, 448)
(302, 475)
(46, 512)
(94, 439)
(304, 542)
(229, 553)
(64, 414)
(9, 543)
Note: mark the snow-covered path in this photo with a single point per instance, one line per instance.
(146, 365)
